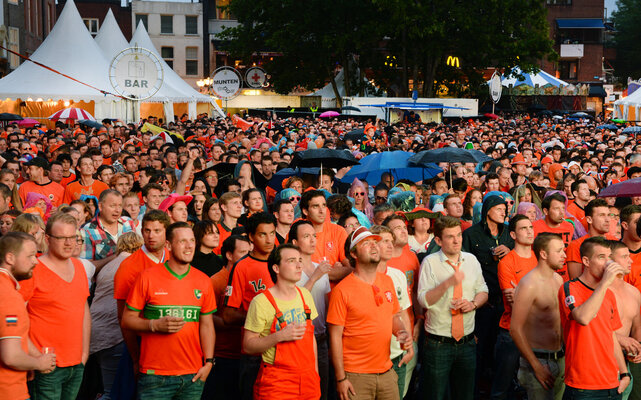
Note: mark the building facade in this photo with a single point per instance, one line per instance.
(93, 12)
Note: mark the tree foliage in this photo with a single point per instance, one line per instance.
(627, 40)
(394, 41)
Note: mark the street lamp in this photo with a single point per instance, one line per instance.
(204, 84)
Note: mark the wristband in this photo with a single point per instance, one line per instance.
(151, 325)
(210, 360)
(475, 306)
(623, 375)
(341, 380)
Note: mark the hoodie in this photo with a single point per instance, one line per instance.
(479, 241)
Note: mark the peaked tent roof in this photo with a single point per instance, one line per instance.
(542, 78)
(110, 38)
(70, 49)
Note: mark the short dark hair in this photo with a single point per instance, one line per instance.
(12, 242)
(202, 228)
(392, 218)
(257, 219)
(275, 258)
(5, 191)
(339, 204)
(229, 245)
(575, 185)
(308, 196)
(626, 212)
(542, 241)
(278, 204)
(444, 222)
(547, 201)
(156, 215)
(150, 186)
(588, 245)
(173, 227)
(107, 192)
(596, 203)
(515, 220)
(616, 245)
(293, 230)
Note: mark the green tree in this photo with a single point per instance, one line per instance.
(627, 40)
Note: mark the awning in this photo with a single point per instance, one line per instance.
(580, 23)
(414, 106)
(597, 91)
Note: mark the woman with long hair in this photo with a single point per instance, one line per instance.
(472, 197)
(33, 225)
(361, 200)
(211, 210)
(8, 178)
(207, 239)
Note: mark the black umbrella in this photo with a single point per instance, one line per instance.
(90, 123)
(328, 158)
(449, 155)
(350, 108)
(10, 117)
(357, 135)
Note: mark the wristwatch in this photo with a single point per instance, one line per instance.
(623, 375)
(210, 360)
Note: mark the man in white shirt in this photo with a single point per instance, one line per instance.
(315, 279)
(450, 287)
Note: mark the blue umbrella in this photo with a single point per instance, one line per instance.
(632, 129)
(611, 127)
(276, 182)
(374, 165)
(449, 155)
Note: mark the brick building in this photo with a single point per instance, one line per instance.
(93, 12)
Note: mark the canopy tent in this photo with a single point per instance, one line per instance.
(628, 108)
(110, 38)
(70, 49)
(429, 112)
(541, 78)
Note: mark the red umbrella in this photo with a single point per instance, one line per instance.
(628, 188)
(28, 122)
(491, 116)
(71, 114)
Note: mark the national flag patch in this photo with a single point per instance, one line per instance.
(11, 320)
(228, 291)
(388, 296)
(198, 293)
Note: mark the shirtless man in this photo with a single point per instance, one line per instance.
(628, 302)
(536, 322)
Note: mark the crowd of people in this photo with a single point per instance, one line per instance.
(184, 266)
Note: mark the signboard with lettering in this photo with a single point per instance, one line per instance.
(496, 87)
(256, 77)
(227, 83)
(136, 73)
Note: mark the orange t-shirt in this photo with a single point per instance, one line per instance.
(228, 343)
(366, 312)
(589, 349)
(75, 189)
(14, 323)
(512, 268)
(130, 269)
(56, 311)
(224, 232)
(159, 292)
(52, 190)
(408, 263)
(579, 213)
(330, 243)
(634, 277)
(65, 181)
(566, 230)
(248, 277)
(573, 250)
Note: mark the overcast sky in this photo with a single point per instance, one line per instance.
(610, 6)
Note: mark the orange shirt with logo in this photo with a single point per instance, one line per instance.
(248, 277)
(512, 268)
(75, 189)
(330, 243)
(56, 311)
(579, 213)
(566, 230)
(52, 190)
(228, 343)
(366, 312)
(65, 181)
(14, 324)
(159, 292)
(129, 270)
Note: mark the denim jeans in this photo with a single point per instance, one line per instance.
(506, 357)
(583, 394)
(61, 384)
(222, 382)
(400, 372)
(448, 365)
(534, 389)
(109, 359)
(170, 387)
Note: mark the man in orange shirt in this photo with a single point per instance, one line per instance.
(581, 192)
(589, 317)
(629, 217)
(170, 306)
(248, 278)
(56, 297)
(231, 207)
(17, 260)
(40, 183)
(363, 315)
(514, 266)
(597, 214)
(85, 184)
(223, 380)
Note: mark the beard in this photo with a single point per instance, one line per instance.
(23, 276)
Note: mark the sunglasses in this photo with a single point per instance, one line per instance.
(359, 194)
(377, 295)
(294, 198)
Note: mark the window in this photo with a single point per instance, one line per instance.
(167, 24)
(559, 2)
(568, 69)
(92, 25)
(14, 45)
(191, 25)
(168, 55)
(222, 12)
(143, 18)
(191, 63)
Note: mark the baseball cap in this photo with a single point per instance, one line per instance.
(518, 159)
(361, 234)
(547, 160)
(38, 162)
(172, 199)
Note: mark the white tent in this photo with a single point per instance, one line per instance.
(70, 49)
(110, 38)
(628, 108)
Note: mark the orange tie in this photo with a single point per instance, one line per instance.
(457, 316)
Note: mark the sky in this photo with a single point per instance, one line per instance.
(610, 5)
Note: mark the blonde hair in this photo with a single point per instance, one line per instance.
(129, 242)
(27, 222)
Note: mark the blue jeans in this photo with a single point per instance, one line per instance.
(583, 394)
(61, 384)
(109, 359)
(400, 372)
(506, 357)
(448, 366)
(169, 387)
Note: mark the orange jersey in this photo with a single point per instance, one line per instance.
(512, 268)
(330, 243)
(407, 263)
(589, 349)
(14, 324)
(228, 338)
(366, 312)
(634, 277)
(159, 292)
(579, 213)
(573, 250)
(65, 181)
(224, 232)
(129, 270)
(248, 277)
(566, 230)
(75, 189)
(56, 311)
(52, 190)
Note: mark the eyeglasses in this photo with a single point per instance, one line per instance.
(68, 239)
(294, 198)
(359, 194)
(377, 295)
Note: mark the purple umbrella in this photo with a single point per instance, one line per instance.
(329, 114)
(629, 188)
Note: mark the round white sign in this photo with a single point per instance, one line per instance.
(136, 73)
(256, 77)
(227, 83)
(496, 88)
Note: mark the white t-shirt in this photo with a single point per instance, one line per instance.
(400, 284)
(90, 268)
(319, 294)
(417, 247)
